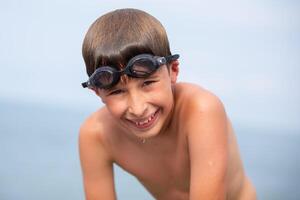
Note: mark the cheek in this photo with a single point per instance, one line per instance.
(116, 108)
(164, 95)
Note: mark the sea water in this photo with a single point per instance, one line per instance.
(39, 157)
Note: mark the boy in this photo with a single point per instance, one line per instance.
(175, 138)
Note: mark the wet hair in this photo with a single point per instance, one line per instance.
(114, 38)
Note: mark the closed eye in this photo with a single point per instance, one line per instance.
(115, 92)
(149, 82)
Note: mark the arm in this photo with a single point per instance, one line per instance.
(207, 138)
(96, 166)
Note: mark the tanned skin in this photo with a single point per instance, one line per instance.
(190, 152)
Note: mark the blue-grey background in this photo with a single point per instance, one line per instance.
(246, 52)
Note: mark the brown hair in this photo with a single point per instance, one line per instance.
(117, 36)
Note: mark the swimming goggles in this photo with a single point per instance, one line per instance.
(140, 66)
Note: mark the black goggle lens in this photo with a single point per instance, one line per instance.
(103, 78)
(142, 68)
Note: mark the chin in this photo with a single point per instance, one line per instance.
(146, 135)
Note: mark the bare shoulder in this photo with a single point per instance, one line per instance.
(94, 125)
(197, 100)
(204, 119)
(92, 137)
(203, 112)
(91, 123)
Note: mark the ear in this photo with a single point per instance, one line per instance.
(174, 70)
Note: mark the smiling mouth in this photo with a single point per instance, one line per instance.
(147, 122)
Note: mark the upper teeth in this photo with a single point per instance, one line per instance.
(145, 121)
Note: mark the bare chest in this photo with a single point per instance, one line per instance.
(163, 173)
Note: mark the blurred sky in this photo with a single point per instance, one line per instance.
(246, 52)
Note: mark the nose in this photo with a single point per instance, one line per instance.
(137, 105)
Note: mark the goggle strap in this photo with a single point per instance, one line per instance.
(172, 57)
(85, 84)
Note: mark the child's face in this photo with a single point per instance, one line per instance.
(143, 105)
